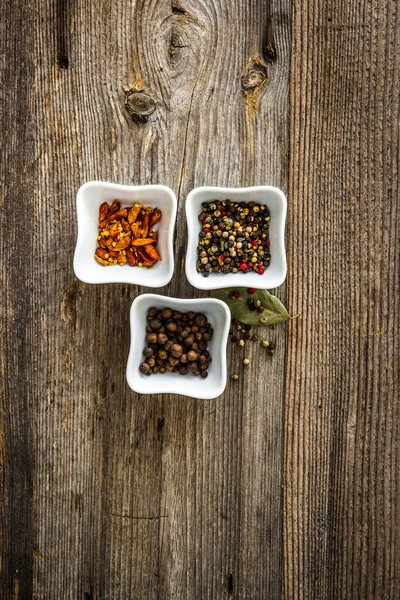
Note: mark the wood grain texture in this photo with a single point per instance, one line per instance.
(18, 328)
(287, 485)
(138, 497)
(341, 492)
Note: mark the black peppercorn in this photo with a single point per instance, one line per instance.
(200, 320)
(192, 366)
(168, 334)
(151, 338)
(162, 338)
(188, 342)
(176, 350)
(204, 374)
(155, 324)
(145, 368)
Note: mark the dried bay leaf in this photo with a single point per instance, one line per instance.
(274, 312)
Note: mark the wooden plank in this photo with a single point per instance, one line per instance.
(18, 365)
(134, 497)
(341, 501)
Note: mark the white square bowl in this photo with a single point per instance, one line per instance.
(275, 274)
(89, 198)
(218, 315)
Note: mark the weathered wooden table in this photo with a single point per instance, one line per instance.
(287, 486)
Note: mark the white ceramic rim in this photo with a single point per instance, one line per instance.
(127, 188)
(232, 279)
(142, 385)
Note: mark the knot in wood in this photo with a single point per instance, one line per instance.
(139, 105)
(255, 77)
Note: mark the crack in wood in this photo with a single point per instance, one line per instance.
(137, 518)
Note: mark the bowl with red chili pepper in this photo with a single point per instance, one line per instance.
(236, 237)
(125, 234)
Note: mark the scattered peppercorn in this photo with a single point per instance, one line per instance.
(235, 376)
(265, 343)
(246, 361)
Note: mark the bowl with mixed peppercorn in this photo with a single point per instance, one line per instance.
(236, 237)
(178, 346)
(125, 234)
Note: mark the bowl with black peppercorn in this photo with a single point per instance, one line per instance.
(178, 346)
(236, 237)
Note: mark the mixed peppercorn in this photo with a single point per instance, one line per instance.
(241, 334)
(234, 238)
(176, 341)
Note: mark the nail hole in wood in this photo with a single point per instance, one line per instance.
(62, 61)
(229, 583)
